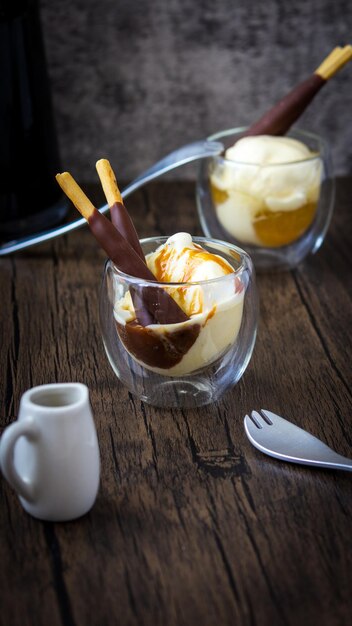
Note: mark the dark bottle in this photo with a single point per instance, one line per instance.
(30, 198)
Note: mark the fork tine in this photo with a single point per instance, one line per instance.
(271, 417)
(266, 416)
(256, 419)
(248, 418)
(262, 418)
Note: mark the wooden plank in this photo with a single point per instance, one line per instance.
(191, 523)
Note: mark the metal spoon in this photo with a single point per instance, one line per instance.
(181, 156)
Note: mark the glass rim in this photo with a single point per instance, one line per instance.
(300, 132)
(245, 262)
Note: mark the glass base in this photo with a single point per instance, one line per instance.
(182, 394)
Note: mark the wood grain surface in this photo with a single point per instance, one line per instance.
(192, 525)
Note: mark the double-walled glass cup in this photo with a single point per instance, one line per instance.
(279, 213)
(190, 363)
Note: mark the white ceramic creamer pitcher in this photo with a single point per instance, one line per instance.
(50, 455)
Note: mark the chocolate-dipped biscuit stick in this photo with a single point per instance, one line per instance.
(284, 113)
(152, 305)
(111, 240)
(119, 215)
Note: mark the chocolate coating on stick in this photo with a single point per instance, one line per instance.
(159, 304)
(153, 305)
(284, 113)
(117, 248)
(122, 221)
(143, 315)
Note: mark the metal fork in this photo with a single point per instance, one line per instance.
(283, 440)
(186, 154)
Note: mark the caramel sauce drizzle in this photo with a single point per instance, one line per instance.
(195, 257)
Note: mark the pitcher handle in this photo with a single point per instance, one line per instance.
(26, 428)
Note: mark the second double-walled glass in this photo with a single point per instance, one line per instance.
(279, 213)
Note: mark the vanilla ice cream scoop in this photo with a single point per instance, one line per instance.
(179, 260)
(266, 149)
(266, 189)
(205, 286)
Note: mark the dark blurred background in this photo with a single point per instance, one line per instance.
(131, 80)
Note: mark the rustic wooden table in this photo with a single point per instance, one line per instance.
(192, 525)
